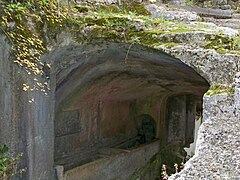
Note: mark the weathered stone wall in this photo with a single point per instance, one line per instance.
(214, 67)
(109, 94)
(38, 117)
(115, 121)
(5, 93)
(217, 151)
(26, 118)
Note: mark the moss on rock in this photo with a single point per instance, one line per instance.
(222, 44)
(127, 23)
(219, 89)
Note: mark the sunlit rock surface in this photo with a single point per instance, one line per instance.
(102, 78)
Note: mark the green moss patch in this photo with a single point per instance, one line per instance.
(223, 44)
(219, 89)
(31, 26)
(23, 24)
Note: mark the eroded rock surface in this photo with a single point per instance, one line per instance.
(163, 12)
(218, 145)
(204, 47)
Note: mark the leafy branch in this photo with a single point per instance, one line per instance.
(9, 165)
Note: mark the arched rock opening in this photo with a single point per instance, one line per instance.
(100, 96)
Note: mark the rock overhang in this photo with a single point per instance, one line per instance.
(105, 81)
(112, 69)
(206, 62)
(188, 41)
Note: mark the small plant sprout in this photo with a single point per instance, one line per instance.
(164, 172)
(176, 167)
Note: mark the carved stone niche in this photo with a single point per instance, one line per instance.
(68, 123)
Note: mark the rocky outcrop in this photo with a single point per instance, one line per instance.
(218, 148)
(208, 63)
(170, 14)
(233, 22)
(26, 124)
(131, 51)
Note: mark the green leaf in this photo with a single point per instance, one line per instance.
(4, 149)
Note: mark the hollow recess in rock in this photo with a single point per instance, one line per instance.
(106, 95)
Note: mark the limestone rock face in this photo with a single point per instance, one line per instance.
(217, 153)
(5, 91)
(161, 12)
(24, 117)
(27, 118)
(237, 95)
(207, 63)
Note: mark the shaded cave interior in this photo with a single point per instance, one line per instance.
(104, 105)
